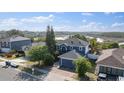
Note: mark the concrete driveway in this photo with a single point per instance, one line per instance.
(55, 74)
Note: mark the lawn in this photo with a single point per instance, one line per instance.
(29, 70)
(1, 60)
(91, 76)
(29, 63)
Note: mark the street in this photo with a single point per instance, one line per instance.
(11, 74)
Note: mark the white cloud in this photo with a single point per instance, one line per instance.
(117, 24)
(38, 19)
(87, 14)
(108, 13)
(26, 23)
(92, 26)
(9, 22)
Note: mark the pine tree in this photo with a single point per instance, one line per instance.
(53, 42)
(48, 36)
(50, 40)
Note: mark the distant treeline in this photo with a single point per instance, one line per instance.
(113, 34)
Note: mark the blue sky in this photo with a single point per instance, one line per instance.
(63, 21)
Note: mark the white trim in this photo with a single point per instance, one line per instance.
(111, 67)
(64, 47)
(67, 58)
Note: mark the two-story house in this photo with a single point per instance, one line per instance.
(71, 49)
(111, 63)
(14, 43)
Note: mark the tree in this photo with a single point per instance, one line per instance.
(41, 54)
(48, 59)
(14, 32)
(82, 37)
(82, 65)
(109, 45)
(37, 53)
(93, 45)
(50, 40)
(113, 45)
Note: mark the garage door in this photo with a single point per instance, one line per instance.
(67, 63)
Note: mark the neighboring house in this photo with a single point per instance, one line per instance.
(39, 43)
(111, 62)
(66, 59)
(71, 49)
(67, 45)
(18, 43)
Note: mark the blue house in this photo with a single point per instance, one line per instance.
(71, 49)
(18, 43)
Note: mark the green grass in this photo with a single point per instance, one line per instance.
(1, 60)
(91, 76)
(29, 70)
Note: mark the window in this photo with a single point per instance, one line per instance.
(71, 47)
(5, 44)
(80, 48)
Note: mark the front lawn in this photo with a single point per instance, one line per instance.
(91, 76)
(1, 60)
(29, 70)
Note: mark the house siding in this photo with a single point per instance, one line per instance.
(64, 48)
(66, 63)
(111, 71)
(17, 45)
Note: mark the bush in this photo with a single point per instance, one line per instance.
(82, 66)
(48, 59)
(8, 55)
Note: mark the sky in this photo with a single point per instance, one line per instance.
(63, 21)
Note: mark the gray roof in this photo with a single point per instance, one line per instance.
(73, 42)
(70, 55)
(112, 57)
(15, 38)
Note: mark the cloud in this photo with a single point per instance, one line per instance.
(117, 24)
(108, 13)
(38, 19)
(92, 26)
(26, 23)
(87, 14)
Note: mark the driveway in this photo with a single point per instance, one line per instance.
(11, 74)
(55, 74)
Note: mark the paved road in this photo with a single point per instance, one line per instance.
(11, 74)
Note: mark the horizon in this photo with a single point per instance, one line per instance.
(63, 21)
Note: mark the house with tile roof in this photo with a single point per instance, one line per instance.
(111, 62)
(14, 43)
(71, 49)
